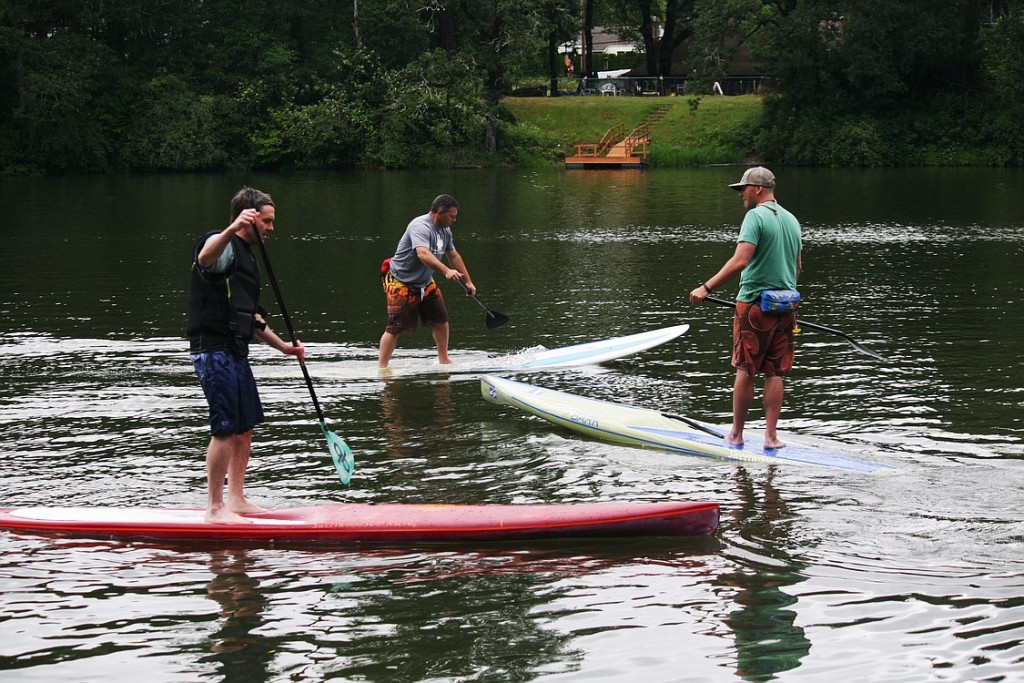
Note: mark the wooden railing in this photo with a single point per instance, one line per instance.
(636, 143)
(599, 149)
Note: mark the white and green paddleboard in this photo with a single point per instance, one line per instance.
(645, 427)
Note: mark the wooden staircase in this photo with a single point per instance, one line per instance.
(614, 150)
(658, 113)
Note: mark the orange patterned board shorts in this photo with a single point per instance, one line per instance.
(762, 343)
(406, 304)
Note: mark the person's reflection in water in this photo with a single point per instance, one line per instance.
(768, 641)
(416, 417)
(242, 654)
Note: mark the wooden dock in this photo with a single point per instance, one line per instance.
(614, 150)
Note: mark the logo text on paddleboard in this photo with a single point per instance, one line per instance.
(584, 420)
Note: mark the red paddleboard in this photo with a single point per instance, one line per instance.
(377, 523)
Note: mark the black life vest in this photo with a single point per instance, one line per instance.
(223, 305)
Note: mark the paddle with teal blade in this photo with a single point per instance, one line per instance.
(341, 454)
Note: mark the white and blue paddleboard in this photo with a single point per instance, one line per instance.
(537, 358)
(590, 352)
(645, 427)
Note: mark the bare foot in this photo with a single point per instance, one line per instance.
(773, 443)
(244, 507)
(225, 516)
(734, 440)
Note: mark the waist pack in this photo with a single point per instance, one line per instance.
(779, 301)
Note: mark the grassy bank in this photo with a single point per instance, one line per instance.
(685, 131)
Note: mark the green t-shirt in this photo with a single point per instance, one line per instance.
(775, 233)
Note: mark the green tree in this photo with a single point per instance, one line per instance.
(865, 81)
(561, 25)
(587, 38)
(660, 25)
(175, 128)
(61, 81)
(1004, 82)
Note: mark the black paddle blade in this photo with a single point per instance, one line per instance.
(495, 320)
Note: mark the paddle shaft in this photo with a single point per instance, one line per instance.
(287, 322)
(481, 303)
(813, 326)
(494, 318)
(696, 425)
(474, 297)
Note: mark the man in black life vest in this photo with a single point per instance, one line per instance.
(224, 315)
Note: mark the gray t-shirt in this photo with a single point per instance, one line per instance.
(421, 232)
(221, 265)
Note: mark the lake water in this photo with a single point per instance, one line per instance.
(815, 574)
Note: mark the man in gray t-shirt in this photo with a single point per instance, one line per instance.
(408, 278)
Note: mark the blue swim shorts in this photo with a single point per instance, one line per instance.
(230, 389)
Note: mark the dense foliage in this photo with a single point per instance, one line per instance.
(875, 82)
(185, 85)
(153, 85)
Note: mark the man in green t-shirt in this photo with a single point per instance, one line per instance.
(768, 256)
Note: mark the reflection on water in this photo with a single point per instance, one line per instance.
(815, 575)
(461, 625)
(416, 416)
(767, 640)
(240, 652)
